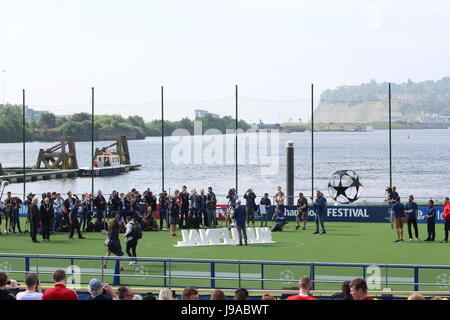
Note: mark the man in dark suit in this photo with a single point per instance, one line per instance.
(240, 216)
(35, 216)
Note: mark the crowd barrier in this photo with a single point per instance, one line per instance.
(224, 274)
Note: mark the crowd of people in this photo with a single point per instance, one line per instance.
(181, 209)
(190, 210)
(409, 213)
(356, 289)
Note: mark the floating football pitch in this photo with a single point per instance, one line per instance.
(345, 243)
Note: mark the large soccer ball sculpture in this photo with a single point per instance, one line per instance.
(345, 186)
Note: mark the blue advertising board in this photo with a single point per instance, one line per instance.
(356, 213)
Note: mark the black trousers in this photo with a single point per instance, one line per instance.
(163, 216)
(241, 229)
(75, 226)
(447, 228)
(431, 230)
(184, 216)
(131, 248)
(250, 215)
(46, 227)
(413, 222)
(33, 230)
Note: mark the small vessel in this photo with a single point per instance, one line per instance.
(105, 164)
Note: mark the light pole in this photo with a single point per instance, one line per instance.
(4, 87)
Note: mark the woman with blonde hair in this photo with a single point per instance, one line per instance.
(165, 294)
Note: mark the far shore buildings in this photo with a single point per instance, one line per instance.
(203, 113)
(30, 114)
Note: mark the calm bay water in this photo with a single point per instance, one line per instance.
(421, 163)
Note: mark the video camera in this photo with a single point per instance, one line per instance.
(389, 192)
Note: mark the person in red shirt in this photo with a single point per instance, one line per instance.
(59, 292)
(304, 286)
(358, 289)
(446, 217)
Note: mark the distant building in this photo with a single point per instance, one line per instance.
(203, 113)
(30, 114)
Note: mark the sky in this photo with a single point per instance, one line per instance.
(200, 49)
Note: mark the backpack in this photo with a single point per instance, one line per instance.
(136, 231)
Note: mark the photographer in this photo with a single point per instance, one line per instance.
(114, 203)
(279, 218)
(136, 200)
(100, 205)
(150, 199)
(392, 195)
(250, 197)
(15, 209)
(163, 210)
(4, 282)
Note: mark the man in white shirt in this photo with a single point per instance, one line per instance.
(33, 285)
(132, 238)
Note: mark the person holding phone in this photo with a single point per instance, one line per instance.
(34, 289)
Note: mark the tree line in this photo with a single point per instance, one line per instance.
(106, 127)
(428, 96)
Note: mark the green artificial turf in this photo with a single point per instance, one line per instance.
(345, 243)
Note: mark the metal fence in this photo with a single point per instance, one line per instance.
(224, 274)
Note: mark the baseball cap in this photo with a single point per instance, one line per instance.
(95, 284)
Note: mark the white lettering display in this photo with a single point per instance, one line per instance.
(223, 236)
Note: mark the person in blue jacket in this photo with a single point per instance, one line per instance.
(412, 211)
(431, 221)
(321, 207)
(399, 214)
(240, 216)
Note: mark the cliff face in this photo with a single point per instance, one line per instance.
(370, 111)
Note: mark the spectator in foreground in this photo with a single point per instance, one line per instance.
(304, 286)
(190, 293)
(59, 292)
(344, 294)
(101, 291)
(4, 294)
(416, 296)
(33, 285)
(268, 296)
(125, 293)
(166, 294)
(241, 294)
(137, 297)
(358, 289)
(218, 295)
